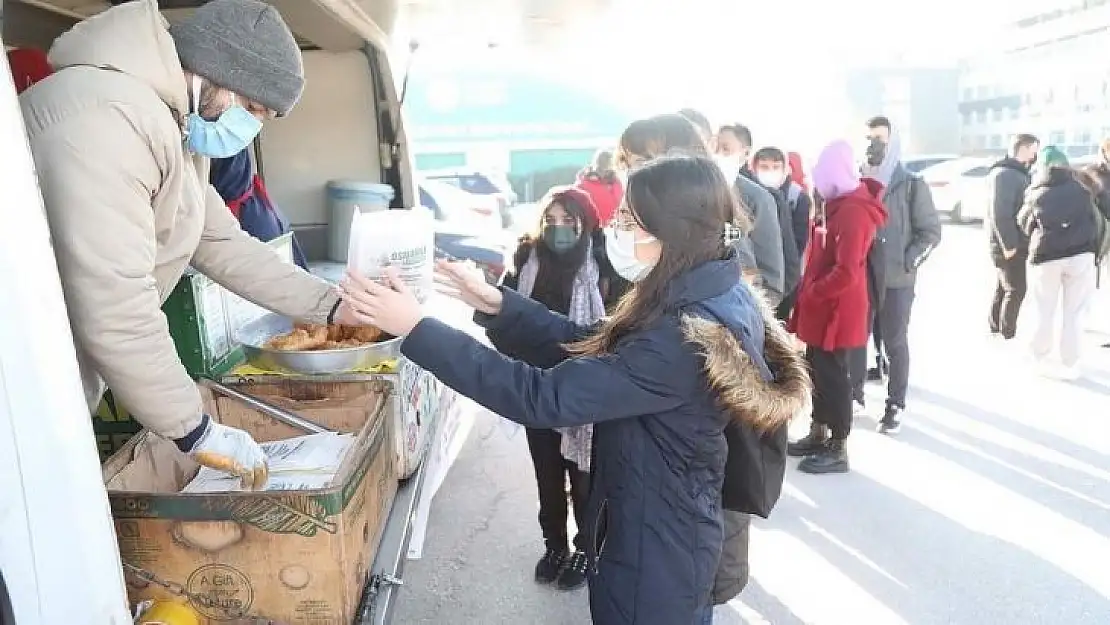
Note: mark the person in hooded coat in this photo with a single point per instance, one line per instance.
(911, 232)
(689, 350)
(830, 316)
(601, 182)
(1060, 219)
(245, 193)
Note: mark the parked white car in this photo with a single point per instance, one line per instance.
(959, 187)
(916, 163)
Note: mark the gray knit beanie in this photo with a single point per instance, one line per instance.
(244, 46)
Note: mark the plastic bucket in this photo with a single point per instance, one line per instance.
(344, 196)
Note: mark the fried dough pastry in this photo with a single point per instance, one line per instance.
(312, 337)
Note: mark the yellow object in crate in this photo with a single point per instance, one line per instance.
(248, 370)
(169, 613)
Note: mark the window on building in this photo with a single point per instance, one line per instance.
(982, 92)
(980, 117)
(980, 142)
(996, 142)
(1083, 137)
(1015, 113)
(1057, 137)
(969, 93)
(966, 117)
(996, 114)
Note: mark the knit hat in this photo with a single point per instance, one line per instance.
(835, 174)
(1052, 156)
(243, 46)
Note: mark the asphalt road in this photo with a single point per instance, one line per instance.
(992, 507)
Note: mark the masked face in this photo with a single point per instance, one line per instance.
(730, 165)
(228, 134)
(560, 229)
(560, 239)
(876, 151)
(770, 174)
(626, 243)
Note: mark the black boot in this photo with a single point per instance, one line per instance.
(549, 566)
(574, 573)
(810, 443)
(832, 459)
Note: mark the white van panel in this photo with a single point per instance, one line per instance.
(57, 544)
(332, 133)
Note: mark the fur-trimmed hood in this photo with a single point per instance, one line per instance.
(763, 395)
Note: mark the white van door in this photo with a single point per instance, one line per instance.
(58, 557)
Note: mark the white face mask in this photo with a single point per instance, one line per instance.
(620, 246)
(770, 177)
(730, 165)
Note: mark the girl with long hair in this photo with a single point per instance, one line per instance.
(562, 266)
(689, 350)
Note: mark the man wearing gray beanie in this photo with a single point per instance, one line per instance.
(121, 135)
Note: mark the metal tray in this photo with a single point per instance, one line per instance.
(254, 336)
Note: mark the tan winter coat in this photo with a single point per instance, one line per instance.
(129, 210)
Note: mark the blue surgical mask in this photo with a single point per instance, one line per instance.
(223, 137)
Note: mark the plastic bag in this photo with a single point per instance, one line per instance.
(404, 239)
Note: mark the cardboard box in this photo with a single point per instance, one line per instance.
(296, 558)
(415, 405)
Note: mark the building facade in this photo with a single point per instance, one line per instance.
(1050, 76)
(921, 102)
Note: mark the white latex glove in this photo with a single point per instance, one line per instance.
(232, 451)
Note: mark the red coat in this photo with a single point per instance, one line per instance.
(831, 310)
(606, 193)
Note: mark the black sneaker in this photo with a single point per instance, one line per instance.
(879, 372)
(891, 422)
(810, 443)
(549, 566)
(573, 575)
(832, 459)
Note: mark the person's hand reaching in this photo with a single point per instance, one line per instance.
(232, 451)
(392, 307)
(467, 283)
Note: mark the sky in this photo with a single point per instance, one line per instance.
(777, 65)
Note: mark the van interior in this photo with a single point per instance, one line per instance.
(347, 124)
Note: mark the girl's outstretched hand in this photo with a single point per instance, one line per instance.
(466, 283)
(390, 306)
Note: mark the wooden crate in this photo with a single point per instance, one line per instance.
(296, 558)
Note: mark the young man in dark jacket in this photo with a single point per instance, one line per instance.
(733, 145)
(912, 231)
(1007, 182)
(770, 169)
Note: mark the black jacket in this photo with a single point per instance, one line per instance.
(1059, 217)
(660, 403)
(791, 254)
(612, 287)
(1007, 182)
(800, 214)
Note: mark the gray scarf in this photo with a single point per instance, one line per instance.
(586, 308)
